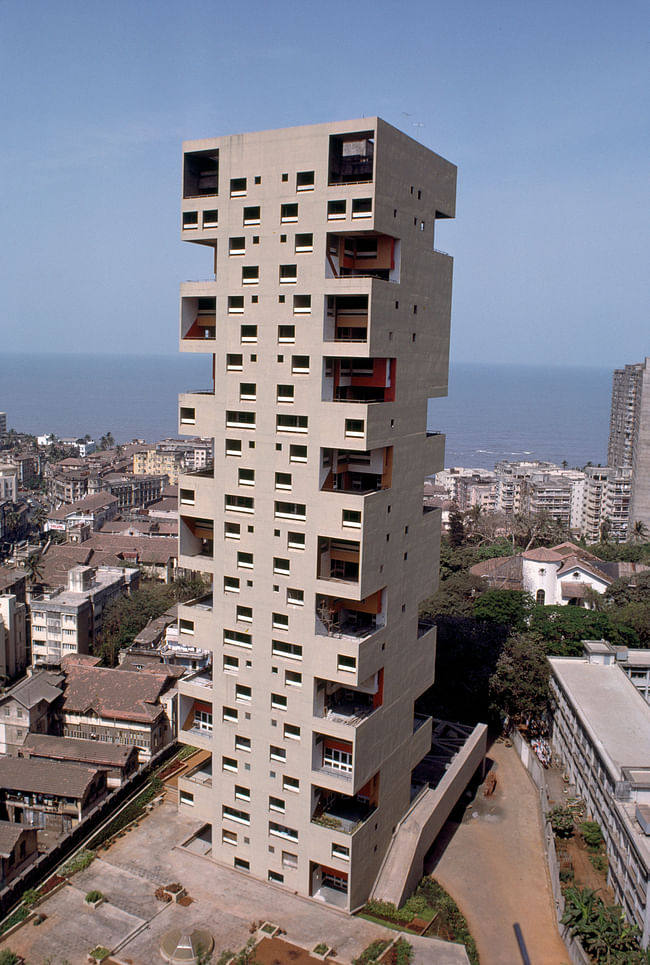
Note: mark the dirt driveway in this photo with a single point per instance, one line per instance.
(493, 864)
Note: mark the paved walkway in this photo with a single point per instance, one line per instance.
(494, 866)
(223, 901)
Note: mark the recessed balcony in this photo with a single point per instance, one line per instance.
(338, 559)
(196, 537)
(351, 157)
(362, 472)
(346, 318)
(365, 255)
(364, 380)
(340, 812)
(353, 619)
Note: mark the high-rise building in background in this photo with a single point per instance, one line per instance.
(629, 435)
(325, 324)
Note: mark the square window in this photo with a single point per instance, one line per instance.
(281, 299)
(281, 566)
(231, 584)
(190, 220)
(245, 560)
(288, 274)
(236, 246)
(352, 518)
(245, 614)
(295, 541)
(285, 177)
(237, 187)
(254, 299)
(305, 181)
(288, 212)
(242, 743)
(233, 447)
(283, 239)
(246, 477)
(247, 391)
(250, 275)
(232, 530)
(302, 304)
(252, 215)
(295, 597)
(292, 678)
(230, 664)
(248, 333)
(234, 362)
(283, 480)
(210, 218)
(362, 208)
(290, 784)
(285, 393)
(336, 210)
(256, 239)
(235, 304)
(300, 364)
(297, 453)
(304, 243)
(279, 702)
(258, 179)
(286, 333)
(291, 732)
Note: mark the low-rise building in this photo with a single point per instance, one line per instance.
(8, 483)
(119, 761)
(563, 575)
(18, 848)
(30, 707)
(120, 707)
(68, 620)
(601, 732)
(94, 510)
(48, 794)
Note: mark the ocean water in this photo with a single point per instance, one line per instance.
(492, 412)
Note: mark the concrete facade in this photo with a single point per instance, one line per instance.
(629, 435)
(326, 322)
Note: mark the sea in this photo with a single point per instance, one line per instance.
(491, 412)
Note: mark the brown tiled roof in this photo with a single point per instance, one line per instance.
(79, 660)
(573, 589)
(504, 572)
(45, 777)
(75, 749)
(148, 549)
(88, 504)
(10, 832)
(571, 562)
(9, 575)
(118, 694)
(542, 555)
(59, 558)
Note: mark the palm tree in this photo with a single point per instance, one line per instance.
(34, 567)
(640, 532)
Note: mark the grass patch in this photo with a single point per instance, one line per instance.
(19, 915)
(79, 862)
(131, 812)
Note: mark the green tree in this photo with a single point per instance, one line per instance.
(456, 527)
(519, 685)
(455, 595)
(509, 607)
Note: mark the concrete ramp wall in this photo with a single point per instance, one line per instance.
(403, 865)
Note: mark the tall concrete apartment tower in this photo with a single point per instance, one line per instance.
(326, 326)
(629, 435)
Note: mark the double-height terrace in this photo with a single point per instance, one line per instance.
(358, 380)
(356, 471)
(363, 255)
(195, 716)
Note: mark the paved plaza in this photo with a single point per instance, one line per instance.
(132, 921)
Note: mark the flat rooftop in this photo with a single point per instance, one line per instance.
(613, 712)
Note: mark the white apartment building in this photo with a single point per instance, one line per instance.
(325, 322)
(13, 637)
(68, 619)
(601, 731)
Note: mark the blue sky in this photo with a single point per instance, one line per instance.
(543, 107)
